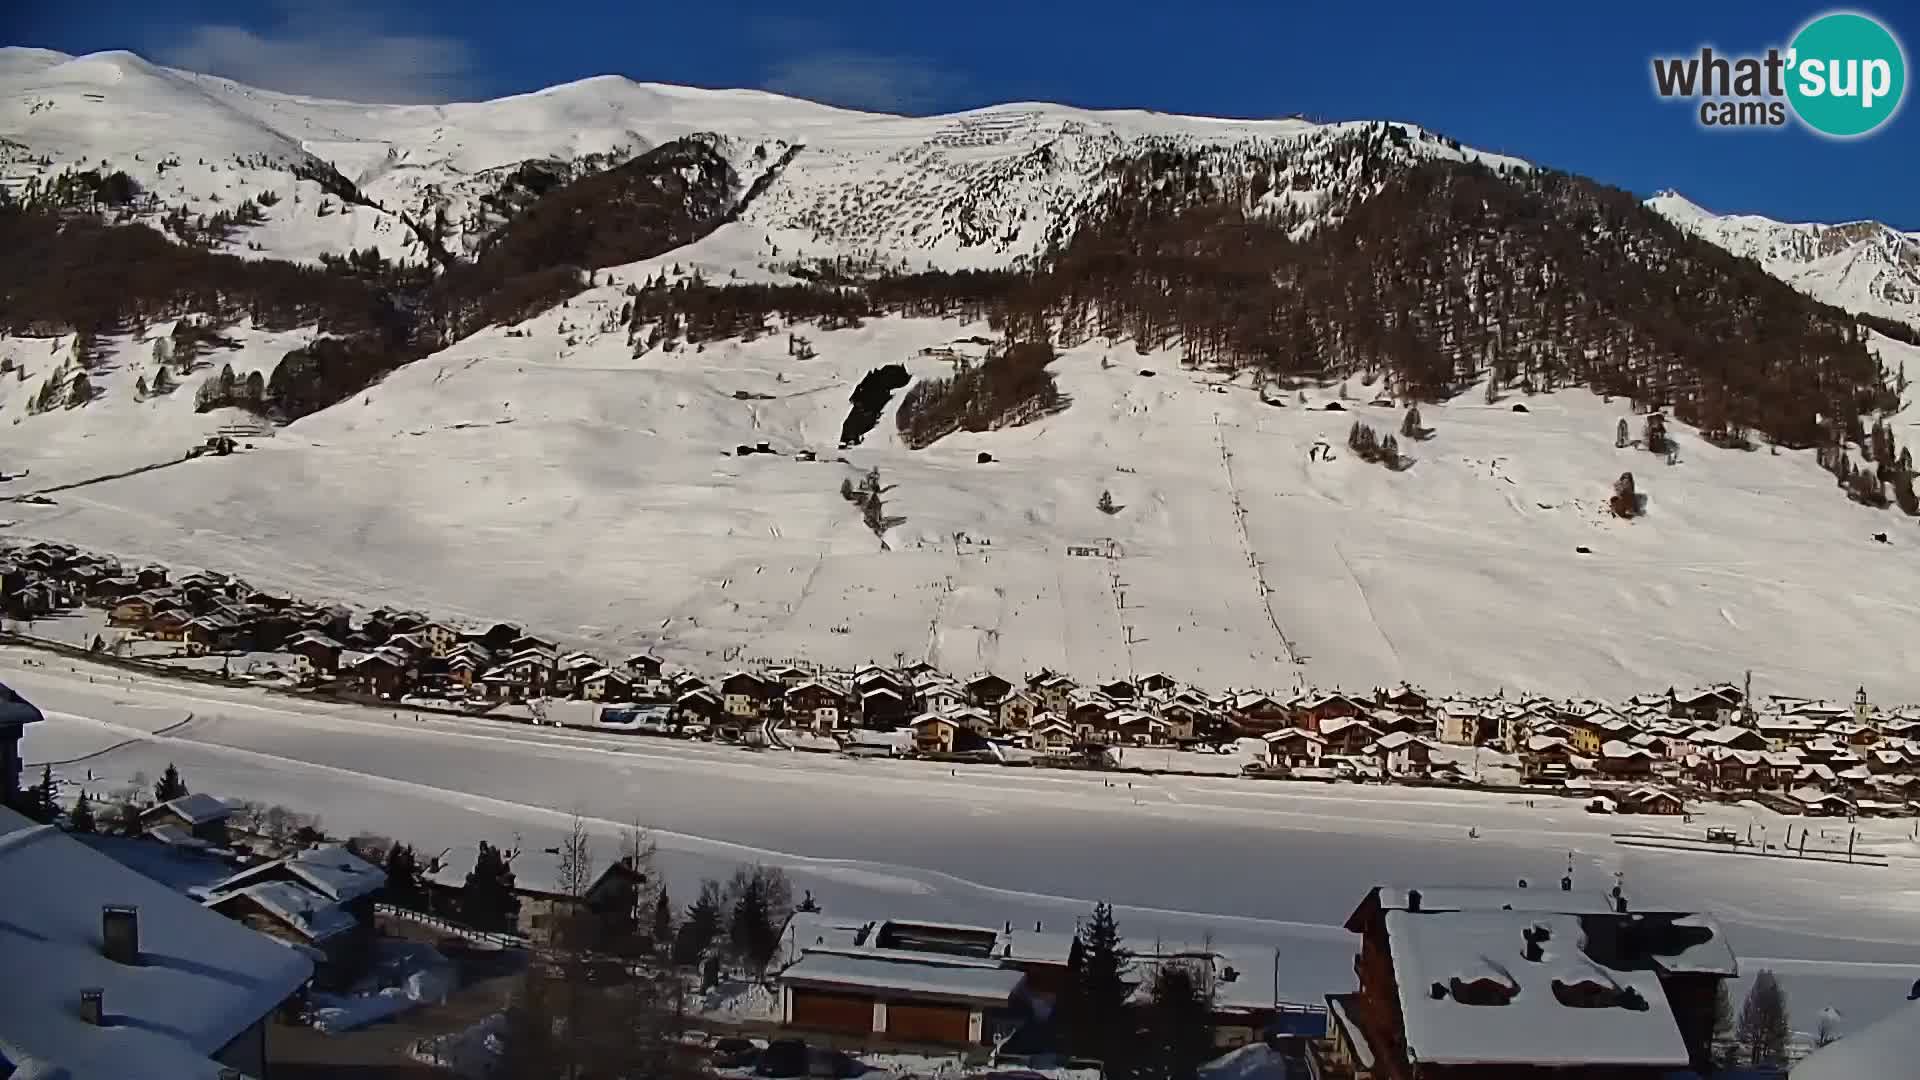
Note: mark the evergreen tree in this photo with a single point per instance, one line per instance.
(662, 921)
(1621, 436)
(1722, 1023)
(1106, 503)
(1180, 1022)
(700, 927)
(41, 801)
(1764, 1026)
(406, 881)
(80, 390)
(1656, 433)
(1410, 427)
(747, 929)
(169, 787)
(487, 901)
(81, 819)
(163, 382)
(1105, 1027)
(1626, 499)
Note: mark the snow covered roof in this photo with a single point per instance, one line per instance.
(1476, 898)
(202, 980)
(1470, 996)
(314, 916)
(947, 978)
(16, 711)
(330, 870)
(195, 809)
(1887, 1047)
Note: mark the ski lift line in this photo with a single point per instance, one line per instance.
(1246, 542)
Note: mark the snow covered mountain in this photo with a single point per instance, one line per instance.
(573, 465)
(981, 188)
(1859, 266)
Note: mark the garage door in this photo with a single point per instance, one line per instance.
(945, 1024)
(817, 1010)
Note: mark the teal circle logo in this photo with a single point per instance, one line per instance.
(1847, 74)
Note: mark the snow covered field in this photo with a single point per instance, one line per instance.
(589, 495)
(1258, 866)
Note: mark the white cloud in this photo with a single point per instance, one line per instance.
(897, 84)
(813, 64)
(329, 52)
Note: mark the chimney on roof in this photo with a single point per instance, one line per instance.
(120, 933)
(1566, 883)
(1534, 936)
(93, 1006)
(1413, 900)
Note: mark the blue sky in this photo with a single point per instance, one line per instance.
(1566, 85)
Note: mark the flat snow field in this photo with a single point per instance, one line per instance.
(1257, 866)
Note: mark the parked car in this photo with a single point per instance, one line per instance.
(783, 1057)
(732, 1052)
(832, 1064)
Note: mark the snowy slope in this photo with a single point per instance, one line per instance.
(971, 189)
(1860, 266)
(593, 495)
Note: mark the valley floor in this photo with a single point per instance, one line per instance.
(1261, 868)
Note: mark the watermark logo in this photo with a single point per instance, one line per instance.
(1843, 75)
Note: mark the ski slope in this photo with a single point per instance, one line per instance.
(594, 495)
(1257, 867)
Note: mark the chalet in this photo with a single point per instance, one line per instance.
(936, 734)
(882, 706)
(1459, 984)
(133, 611)
(1254, 712)
(642, 666)
(1054, 690)
(526, 642)
(16, 713)
(1460, 723)
(941, 696)
(1118, 689)
(1817, 803)
(114, 974)
(608, 910)
(1622, 761)
(787, 676)
(1295, 747)
(1018, 709)
(606, 684)
(1405, 700)
(321, 898)
(1313, 712)
(201, 817)
(699, 704)
(1401, 754)
(1647, 799)
(466, 666)
(1050, 735)
(988, 690)
(1716, 705)
(901, 995)
(441, 639)
(1734, 770)
(1347, 737)
(1155, 682)
(1545, 759)
(383, 673)
(1730, 738)
(1184, 721)
(1140, 729)
(569, 670)
(211, 633)
(815, 704)
(869, 677)
(744, 695)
